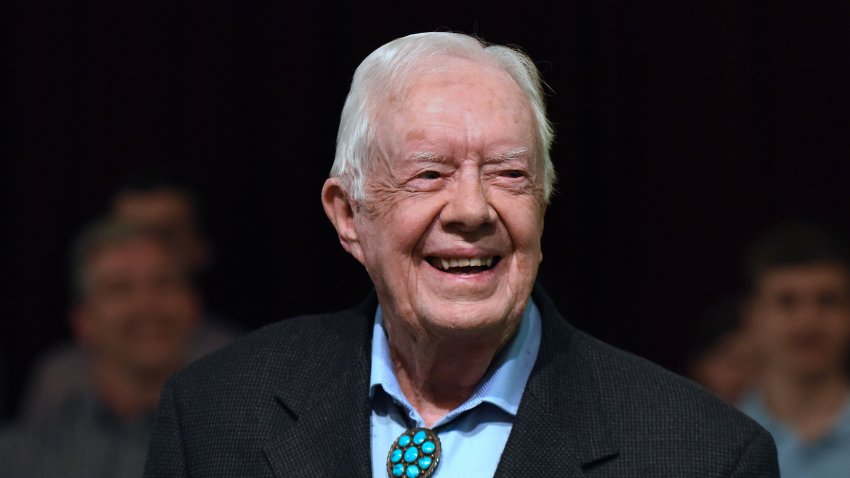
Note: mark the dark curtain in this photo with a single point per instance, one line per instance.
(684, 129)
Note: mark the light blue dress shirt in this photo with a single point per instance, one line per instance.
(826, 457)
(474, 434)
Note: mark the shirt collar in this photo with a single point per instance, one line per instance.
(501, 386)
(754, 406)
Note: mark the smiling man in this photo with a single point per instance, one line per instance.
(458, 365)
(798, 310)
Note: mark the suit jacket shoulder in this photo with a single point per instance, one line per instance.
(615, 414)
(270, 404)
(292, 400)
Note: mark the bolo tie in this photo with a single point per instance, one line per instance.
(414, 454)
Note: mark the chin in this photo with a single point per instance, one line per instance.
(478, 316)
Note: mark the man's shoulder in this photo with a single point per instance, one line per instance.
(277, 353)
(631, 417)
(632, 390)
(647, 396)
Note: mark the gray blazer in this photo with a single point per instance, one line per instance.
(291, 400)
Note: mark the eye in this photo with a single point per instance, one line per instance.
(429, 175)
(513, 173)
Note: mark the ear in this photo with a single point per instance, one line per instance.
(746, 312)
(81, 325)
(340, 210)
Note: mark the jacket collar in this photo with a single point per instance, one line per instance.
(328, 430)
(559, 428)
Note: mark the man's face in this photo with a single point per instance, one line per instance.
(450, 228)
(801, 318)
(170, 215)
(730, 367)
(138, 312)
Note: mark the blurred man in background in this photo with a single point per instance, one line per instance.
(799, 311)
(724, 359)
(134, 317)
(167, 209)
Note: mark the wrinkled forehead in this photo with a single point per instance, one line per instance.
(445, 88)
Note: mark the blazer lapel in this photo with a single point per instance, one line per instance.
(328, 434)
(559, 429)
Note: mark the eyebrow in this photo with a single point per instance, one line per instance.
(508, 155)
(430, 157)
(425, 157)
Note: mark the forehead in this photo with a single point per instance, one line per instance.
(806, 277)
(152, 204)
(449, 99)
(141, 251)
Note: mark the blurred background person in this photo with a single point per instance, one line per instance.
(799, 312)
(161, 204)
(724, 359)
(134, 317)
(158, 201)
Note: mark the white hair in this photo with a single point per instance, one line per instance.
(386, 68)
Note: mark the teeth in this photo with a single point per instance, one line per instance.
(446, 264)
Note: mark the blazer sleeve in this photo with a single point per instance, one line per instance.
(166, 456)
(758, 458)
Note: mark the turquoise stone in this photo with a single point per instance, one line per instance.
(396, 456)
(428, 447)
(414, 454)
(411, 454)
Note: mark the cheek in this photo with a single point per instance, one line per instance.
(525, 227)
(839, 326)
(766, 328)
(99, 331)
(181, 309)
(399, 223)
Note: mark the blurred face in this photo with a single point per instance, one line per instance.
(450, 230)
(139, 312)
(801, 319)
(730, 368)
(170, 215)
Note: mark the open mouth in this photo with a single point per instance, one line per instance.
(463, 265)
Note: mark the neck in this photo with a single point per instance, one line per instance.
(438, 374)
(126, 393)
(808, 404)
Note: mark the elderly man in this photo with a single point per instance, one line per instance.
(457, 365)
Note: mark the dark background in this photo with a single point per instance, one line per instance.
(684, 129)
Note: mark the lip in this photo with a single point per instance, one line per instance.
(463, 252)
(477, 280)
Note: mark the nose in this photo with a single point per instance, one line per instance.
(467, 208)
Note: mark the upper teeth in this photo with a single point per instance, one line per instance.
(466, 262)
